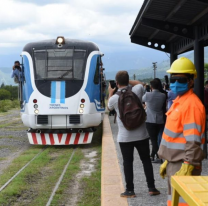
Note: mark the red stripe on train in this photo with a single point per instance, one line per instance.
(86, 137)
(43, 138)
(60, 137)
(34, 138)
(77, 138)
(68, 137)
(51, 139)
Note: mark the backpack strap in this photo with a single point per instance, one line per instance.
(126, 88)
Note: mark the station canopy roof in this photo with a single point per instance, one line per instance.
(162, 24)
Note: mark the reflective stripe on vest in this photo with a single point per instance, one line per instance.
(171, 145)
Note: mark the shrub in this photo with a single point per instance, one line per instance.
(4, 94)
(6, 105)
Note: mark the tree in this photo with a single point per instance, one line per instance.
(206, 71)
(4, 94)
(13, 91)
(2, 85)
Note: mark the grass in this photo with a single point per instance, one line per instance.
(62, 193)
(36, 182)
(92, 184)
(4, 137)
(10, 123)
(18, 163)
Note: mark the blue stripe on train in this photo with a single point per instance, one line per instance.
(62, 96)
(53, 92)
(58, 95)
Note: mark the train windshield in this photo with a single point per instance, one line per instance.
(60, 64)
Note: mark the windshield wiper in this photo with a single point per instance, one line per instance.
(64, 74)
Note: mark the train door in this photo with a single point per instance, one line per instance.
(102, 83)
(20, 85)
(99, 80)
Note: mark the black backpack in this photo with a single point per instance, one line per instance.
(132, 113)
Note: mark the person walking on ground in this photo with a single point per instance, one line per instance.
(130, 139)
(154, 102)
(183, 136)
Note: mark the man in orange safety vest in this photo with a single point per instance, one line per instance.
(183, 135)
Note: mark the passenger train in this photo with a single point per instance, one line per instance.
(61, 91)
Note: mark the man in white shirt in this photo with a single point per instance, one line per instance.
(128, 139)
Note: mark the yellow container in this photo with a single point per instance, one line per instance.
(193, 189)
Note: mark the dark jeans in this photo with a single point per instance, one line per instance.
(127, 150)
(153, 130)
(159, 137)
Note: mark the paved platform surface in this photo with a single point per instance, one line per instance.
(141, 190)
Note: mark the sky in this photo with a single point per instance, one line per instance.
(106, 23)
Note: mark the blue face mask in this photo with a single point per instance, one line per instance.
(179, 88)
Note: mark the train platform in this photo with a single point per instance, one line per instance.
(113, 183)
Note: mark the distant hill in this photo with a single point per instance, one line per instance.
(138, 63)
(147, 72)
(5, 76)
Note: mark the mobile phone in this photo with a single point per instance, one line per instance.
(112, 83)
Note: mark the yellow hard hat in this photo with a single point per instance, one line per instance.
(183, 65)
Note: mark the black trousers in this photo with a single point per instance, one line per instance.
(127, 150)
(153, 130)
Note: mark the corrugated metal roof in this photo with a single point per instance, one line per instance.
(183, 12)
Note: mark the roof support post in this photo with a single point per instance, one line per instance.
(173, 56)
(199, 64)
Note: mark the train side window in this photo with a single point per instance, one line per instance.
(78, 63)
(97, 72)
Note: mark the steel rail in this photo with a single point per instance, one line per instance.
(20, 171)
(60, 179)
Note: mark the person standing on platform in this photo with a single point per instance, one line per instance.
(154, 102)
(171, 97)
(183, 136)
(129, 139)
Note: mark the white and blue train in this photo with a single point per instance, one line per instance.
(62, 91)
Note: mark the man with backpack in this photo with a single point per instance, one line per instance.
(131, 136)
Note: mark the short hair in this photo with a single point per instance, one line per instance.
(155, 84)
(147, 88)
(17, 62)
(122, 77)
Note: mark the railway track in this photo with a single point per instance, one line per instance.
(40, 175)
(28, 164)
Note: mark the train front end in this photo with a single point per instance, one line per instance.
(62, 91)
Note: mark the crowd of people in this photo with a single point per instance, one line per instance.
(175, 126)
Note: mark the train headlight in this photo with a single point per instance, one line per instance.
(35, 106)
(60, 40)
(81, 111)
(36, 111)
(81, 105)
